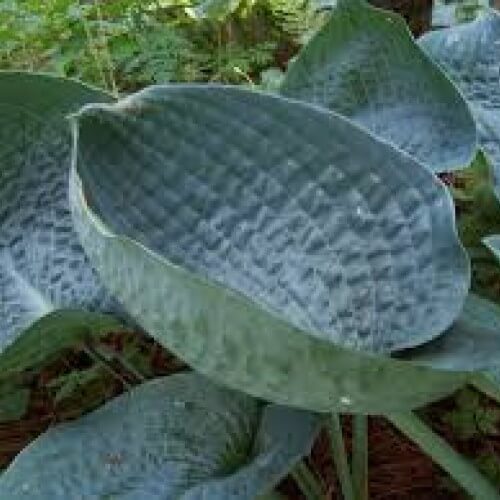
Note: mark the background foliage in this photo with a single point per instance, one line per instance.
(123, 45)
(127, 44)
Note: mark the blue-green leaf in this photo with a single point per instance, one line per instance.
(261, 238)
(470, 54)
(179, 437)
(365, 64)
(42, 266)
(471, 344)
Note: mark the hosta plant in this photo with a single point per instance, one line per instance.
(298, 247)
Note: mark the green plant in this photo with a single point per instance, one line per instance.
(123, 45)
(472, 417)
(295, 246)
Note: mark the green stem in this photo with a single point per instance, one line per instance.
(483, 384)
(307, 482)
(463, 472)
(360, 456)
(99, 358)
(340, 457)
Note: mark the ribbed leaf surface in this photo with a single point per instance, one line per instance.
(258, 237)
(180, 437)
(42, 265)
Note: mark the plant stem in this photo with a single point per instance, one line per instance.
(463, 472)
(340, 457)
(360, 457)
(483, 384)
(99, 358)
(307, 482)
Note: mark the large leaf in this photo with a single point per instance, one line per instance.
(365, 65)
(260, 238)
(470, 54)
(180, 437)
(42, 266)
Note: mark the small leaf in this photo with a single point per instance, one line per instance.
(476, 176)
(479, 210)
(179, 437)
(42, 266)
(365, 64)
(470, 54)
(44, 340)
(41, 344)
(277, 236)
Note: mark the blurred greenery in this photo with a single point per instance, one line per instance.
(122, 45)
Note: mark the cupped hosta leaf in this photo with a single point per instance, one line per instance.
(470, 54)
(259, 237)
(365, 64)
(178, 437)
(471, 344)
(42, 266)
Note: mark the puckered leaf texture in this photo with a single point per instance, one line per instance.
(266, 241)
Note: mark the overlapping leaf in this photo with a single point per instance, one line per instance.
(471, 344)
(42, 266)
(48, 337)
(39, 345)
(180, 437)
(470, 54)
(262, 238)
(365, 65)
